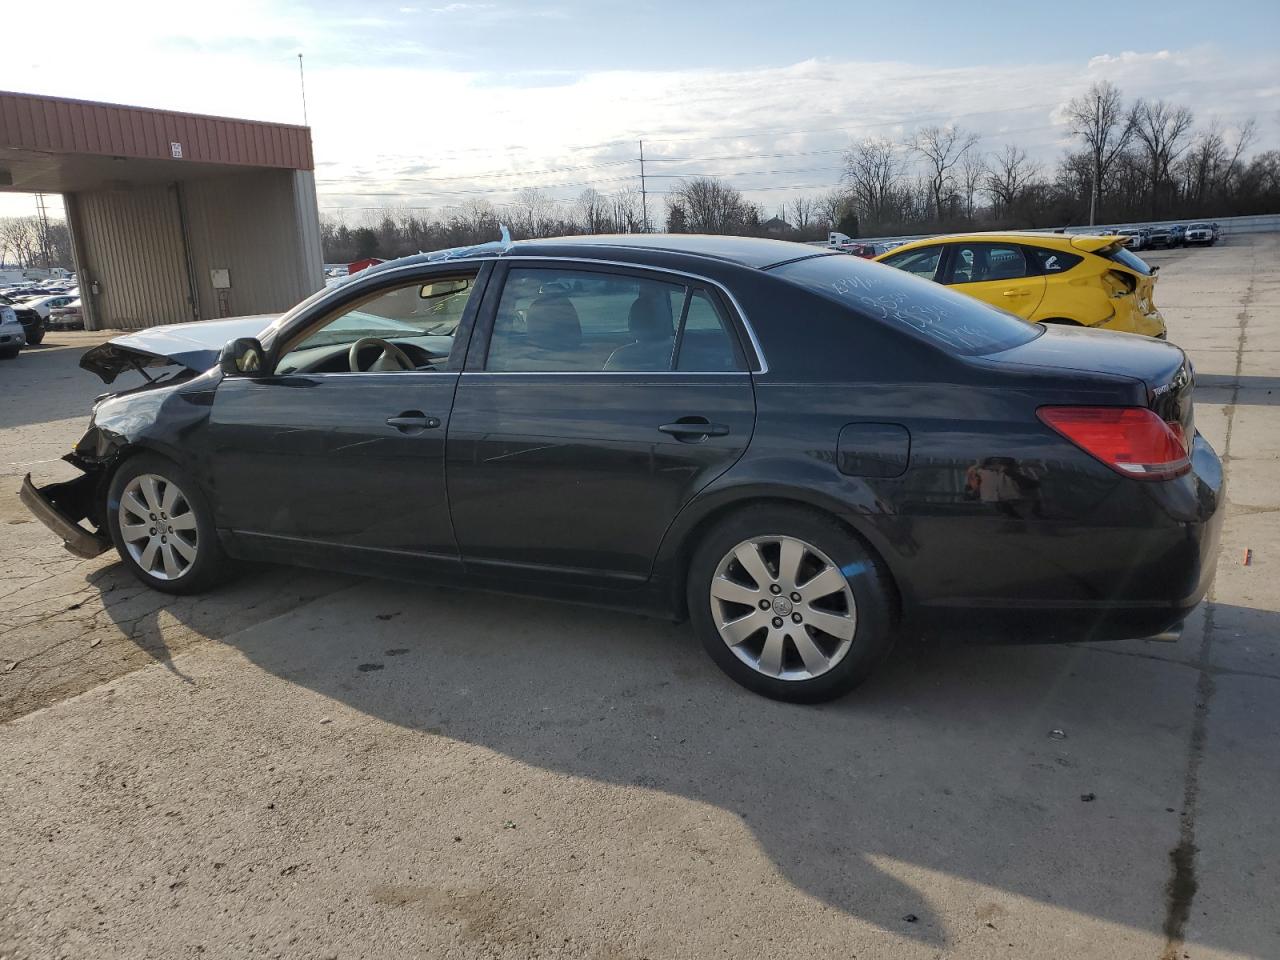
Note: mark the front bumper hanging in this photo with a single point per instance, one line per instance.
(44, 504)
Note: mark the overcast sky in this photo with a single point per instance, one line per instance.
(430, 103)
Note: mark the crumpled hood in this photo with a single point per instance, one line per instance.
(192, 345)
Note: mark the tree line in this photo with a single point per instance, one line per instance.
(1137, 160)
(25, 242)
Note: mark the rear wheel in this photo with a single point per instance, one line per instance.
(36, 335)
(789, 604)
(162, 526)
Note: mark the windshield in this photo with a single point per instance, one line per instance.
(1124, 257)
(948, 319)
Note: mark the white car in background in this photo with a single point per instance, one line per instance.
(1201, 233)
(45, 305)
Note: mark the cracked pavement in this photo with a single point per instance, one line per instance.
(306, 765)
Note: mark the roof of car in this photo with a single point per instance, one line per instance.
(1054, 241)
(753, 252)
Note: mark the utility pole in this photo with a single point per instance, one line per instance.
(302, 82)
(44, 230)
(644, 195)
(1097, 132)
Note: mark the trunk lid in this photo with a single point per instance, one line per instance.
(1161, 367)
(192, 345)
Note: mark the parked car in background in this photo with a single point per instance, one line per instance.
(69, 316)
(1178, 235)
(47, 303)
(859, 249)
(1079, 280)
(1201, 233)
(30, 317)
(13, 336)
(1138, 237)
(803, 452)
(1159, 237)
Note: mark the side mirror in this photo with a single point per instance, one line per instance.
(242, 357)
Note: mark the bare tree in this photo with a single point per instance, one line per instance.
(535, 212)
(873, 170)
(1009, 174)
(22, 236)
(1160, 130)
(1100, 120)
(973, 170)
(831, 206)
(593, 211)
(801, 210)
(711, 205)
(941, 148)
(627, 211)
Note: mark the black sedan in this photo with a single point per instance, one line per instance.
(805, 453)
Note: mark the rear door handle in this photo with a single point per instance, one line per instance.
(1014, 293)
(694, 428)
(412, 421)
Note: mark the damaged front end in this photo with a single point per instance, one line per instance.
(65, 507)
(157, 414)
(61, 507)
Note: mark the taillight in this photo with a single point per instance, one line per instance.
(1133, 441)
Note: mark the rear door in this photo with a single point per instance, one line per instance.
(595, 403)
(999, 273)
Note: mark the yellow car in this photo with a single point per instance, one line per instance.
(1087, 281)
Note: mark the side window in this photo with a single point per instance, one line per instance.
(982, 262)
(707, 342)
(569, 321)
(1052, 261)
(922, 263)
(410, 326)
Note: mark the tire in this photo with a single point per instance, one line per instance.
(780, 662)
(9, 353)
(37, 335)
(139, 492)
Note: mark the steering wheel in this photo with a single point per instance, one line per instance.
(391, 357)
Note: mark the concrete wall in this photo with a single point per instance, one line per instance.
(152, 249)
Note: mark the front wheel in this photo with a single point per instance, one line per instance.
(790, 604)
(162, 526)
(36, 336)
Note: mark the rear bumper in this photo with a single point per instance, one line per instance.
(44, 504)
(1028, 581)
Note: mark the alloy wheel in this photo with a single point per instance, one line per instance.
(783, 607)
(158, 526)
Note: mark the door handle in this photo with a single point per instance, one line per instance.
(694, 429)
(1014, 293)
(413, 421)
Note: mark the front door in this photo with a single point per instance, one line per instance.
(340, 453)
(606, 399)
(999, 273)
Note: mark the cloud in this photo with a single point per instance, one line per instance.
(382, 101)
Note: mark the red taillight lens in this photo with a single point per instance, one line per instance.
(1131, 440)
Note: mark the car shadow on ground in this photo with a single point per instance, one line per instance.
(1048, 773)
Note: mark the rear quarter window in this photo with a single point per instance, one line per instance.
(1053, 261)
(953, 321)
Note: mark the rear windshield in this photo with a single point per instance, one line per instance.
(960, 324)
(1122, 256)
